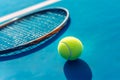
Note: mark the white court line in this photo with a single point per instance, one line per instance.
(27, 10)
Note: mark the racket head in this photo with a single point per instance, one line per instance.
(24, 26)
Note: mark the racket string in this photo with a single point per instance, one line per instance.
(30, 28)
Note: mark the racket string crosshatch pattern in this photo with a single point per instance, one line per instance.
(31, 29)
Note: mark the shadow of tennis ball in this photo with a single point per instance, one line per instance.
(77, 70)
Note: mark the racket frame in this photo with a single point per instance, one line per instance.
(37, 40)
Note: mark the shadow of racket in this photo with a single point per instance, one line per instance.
(25, 35)
(33, 48)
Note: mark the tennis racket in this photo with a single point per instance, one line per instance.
(31, 29)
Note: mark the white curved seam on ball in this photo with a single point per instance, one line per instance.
(68, 49)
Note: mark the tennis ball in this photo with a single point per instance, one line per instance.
(70, 48)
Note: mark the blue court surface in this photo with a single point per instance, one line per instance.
(95, 22)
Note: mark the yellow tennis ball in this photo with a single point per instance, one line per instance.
(70, 48)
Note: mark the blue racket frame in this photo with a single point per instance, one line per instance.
(56, 29)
